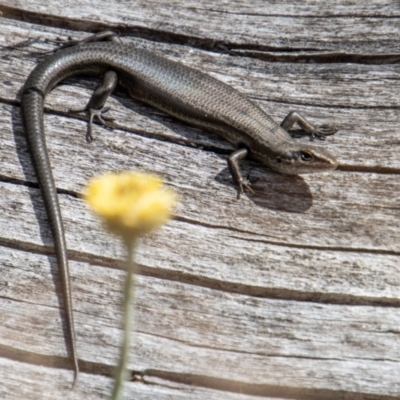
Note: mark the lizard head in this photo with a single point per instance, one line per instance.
(304, 160)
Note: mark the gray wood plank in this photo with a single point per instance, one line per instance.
(337, 210)
(33, 382)
(360, 99)
(187, 329)
(312, 27)
(211, 256)
(227, 280)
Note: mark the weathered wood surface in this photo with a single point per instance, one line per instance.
(353, 27)
(43, 382)
(182, 329)
(293, 293)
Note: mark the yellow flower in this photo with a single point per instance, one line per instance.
(130, 204)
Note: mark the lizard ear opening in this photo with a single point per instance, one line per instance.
(306, 156)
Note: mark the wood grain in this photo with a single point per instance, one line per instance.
(49, 384)
(249, 340)
(353, 96)
(346, 27)
(291, 294)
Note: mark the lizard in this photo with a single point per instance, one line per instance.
(181, 91)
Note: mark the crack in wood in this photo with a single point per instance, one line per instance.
(263, 52)
(283, 392)
(212, 283)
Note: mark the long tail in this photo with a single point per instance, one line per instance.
(32, 115)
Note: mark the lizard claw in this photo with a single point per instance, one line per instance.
(243, 185)
(324, 130)
(100, 115)
(103, 119)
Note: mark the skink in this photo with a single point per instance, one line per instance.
(180, 91)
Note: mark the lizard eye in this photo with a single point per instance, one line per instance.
(278, 160)
(306, 156)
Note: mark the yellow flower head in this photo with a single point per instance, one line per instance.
(131, 204)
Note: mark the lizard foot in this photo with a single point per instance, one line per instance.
(243, 185)
(324, 130)
(99, 115)
(103, 119)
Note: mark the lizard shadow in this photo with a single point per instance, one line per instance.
(30, 182)
(287, 193)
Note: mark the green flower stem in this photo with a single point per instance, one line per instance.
(129, 289)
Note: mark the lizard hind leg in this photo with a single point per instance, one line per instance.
(95, 105)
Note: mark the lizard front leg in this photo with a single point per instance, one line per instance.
(233, 164)
(320, 131)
